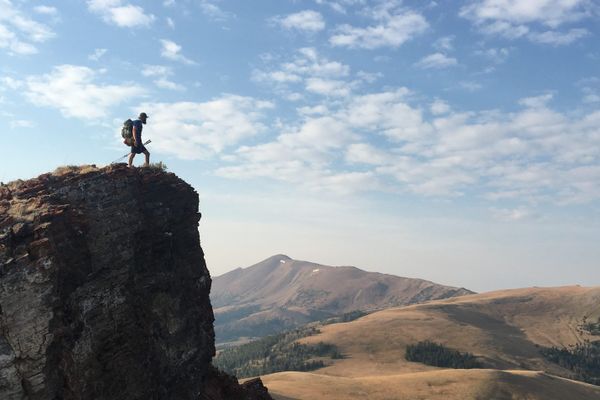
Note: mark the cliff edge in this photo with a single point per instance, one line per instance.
(104, 291)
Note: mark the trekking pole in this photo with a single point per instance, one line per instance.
(120, 158)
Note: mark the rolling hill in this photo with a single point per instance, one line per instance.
(437, 385)
(505, 330)
(280, 293)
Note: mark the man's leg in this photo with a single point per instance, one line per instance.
(147, 154)
(131, 158)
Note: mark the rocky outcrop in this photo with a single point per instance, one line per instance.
(104, 291)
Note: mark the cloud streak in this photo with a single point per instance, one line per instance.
(532, 155)
(515, 19)
(74, 92)
(122, 15)
(436, 61)
(172, 51)
(394, 27)
(18, 32)
(201, 130)
(308, 21)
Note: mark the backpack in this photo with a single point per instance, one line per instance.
(127, 132)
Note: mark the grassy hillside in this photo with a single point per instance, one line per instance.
(505, 330)
(431, 385)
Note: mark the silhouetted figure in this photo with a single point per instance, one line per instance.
(138, 146)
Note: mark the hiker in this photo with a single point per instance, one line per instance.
(138, 146)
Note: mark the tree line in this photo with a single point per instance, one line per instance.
(276, 353)
(583, 360)
(437, 355)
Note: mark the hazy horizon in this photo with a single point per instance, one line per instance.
(458, 143)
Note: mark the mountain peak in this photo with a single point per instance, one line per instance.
(280, 293)
(278, 257)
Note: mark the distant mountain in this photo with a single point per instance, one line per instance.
(280, 293)
(508, 331)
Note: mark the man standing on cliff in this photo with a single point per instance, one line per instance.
(138, 146)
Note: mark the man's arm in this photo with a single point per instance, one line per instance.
(134, 135)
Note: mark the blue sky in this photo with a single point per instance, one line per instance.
(453, 141)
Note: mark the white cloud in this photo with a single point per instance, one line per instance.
(470, 86)
(369, 77)
(22, 123)
(165, 83)
(444, 43)
(590, 88)
(340, 6)
(11, 83)
(97, 54)
(122, 15)
(307, 21)
(548, 12)
(275, 76)
(505, 29)
(513, 214)
(302, 155)
(47, 10)
(204, 129)
(72, 90)
(156, 70)
(311, 63)
(558, 38)
(214, 12)
(315, 110)
(317, 74)
(439, 107)
(328, 87)
(495, 54)
(436, 60)
(364, 153)
(172, 51)
(536, 101)
(515, 19)
(170, 23)
(534, 155)
(130, 16)
(591, 98)
(395, 26)
(18, 31)
(161, 75)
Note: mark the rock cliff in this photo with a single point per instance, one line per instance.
(104, 291)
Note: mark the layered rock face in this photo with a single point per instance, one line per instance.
(104, 291)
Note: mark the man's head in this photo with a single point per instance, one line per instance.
(143, 117)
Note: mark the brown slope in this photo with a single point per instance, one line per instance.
(431, 385)
(504, 329)
(280, 293)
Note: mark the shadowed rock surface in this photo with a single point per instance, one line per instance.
(104, 291)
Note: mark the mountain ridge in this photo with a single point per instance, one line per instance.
(281, 293)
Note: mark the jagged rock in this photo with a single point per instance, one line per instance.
(104, 291)
(222, 386)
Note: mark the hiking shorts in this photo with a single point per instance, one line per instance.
(140, 148)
